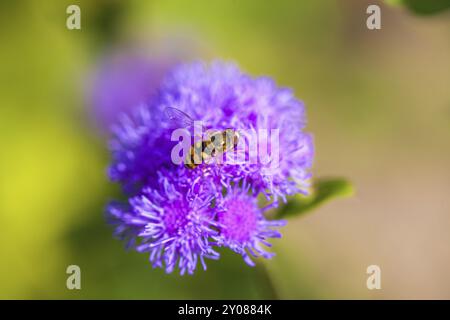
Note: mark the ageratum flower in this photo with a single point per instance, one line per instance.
(242, 225)
(140, 147)
(174, 230)
(221, 96)
(179, 214)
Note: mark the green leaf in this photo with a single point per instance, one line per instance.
(423, 7)
(323, 190)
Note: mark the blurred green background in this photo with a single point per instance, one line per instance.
(378, 103)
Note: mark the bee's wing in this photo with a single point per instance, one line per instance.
(178, 117)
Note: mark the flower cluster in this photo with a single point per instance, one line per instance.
(181, 215)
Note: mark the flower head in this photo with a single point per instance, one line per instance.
(177, 232)
(221, 96)
(242, 225)
(139, 147)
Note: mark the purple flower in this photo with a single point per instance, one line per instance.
(179, 214)
(176, 231)
(139, 147)
(242, 225)
(221, 96)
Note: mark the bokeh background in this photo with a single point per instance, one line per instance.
(378, 103)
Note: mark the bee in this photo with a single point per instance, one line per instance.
(216, 142)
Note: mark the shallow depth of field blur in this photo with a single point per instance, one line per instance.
(378, 104)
